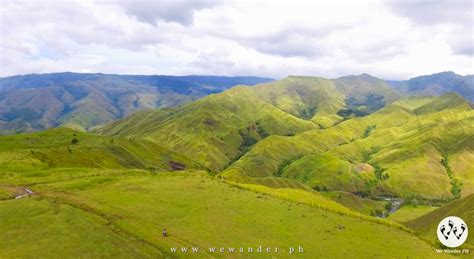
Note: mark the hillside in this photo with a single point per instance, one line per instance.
(437, 84)
(62, 147)
(219, 128)
(86, 202)
(34, 102)
(428, 223)
(418, 147)
(121, 213)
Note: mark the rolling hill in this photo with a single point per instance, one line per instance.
(218, 129)
(322, 133)
(88, 199)
(85, 202)
(414, 147)
(63, 147)
(34, 102)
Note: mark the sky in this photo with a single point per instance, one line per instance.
(388, 39)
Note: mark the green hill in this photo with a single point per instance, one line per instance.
(121, 213)
(398, 150)
(214, 130)
(220, 128)
(428, 223)
(62, 147)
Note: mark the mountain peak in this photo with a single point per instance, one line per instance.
(363, 76)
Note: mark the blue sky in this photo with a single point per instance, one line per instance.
(388, 39)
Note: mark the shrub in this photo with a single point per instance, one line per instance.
(74, 141)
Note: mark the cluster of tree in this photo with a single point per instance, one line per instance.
(26, 114)
(247, 140)
(362, 107)
(456, 185)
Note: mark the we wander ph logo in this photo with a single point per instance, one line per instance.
(452, 231)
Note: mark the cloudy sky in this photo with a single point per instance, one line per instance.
(388, 39)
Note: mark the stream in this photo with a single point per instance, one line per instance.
(395, 204)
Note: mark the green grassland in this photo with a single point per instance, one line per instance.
(411, 212)
(120, 213)
(56, 148)
(427, 224)
(356, 203)
(43, 228)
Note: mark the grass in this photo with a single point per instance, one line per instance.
(427, 224)
(208, 130)
(405, 150)
(125, 212)
(324, 172)
(225, 134)
(54, 148)
(411, 212)
(4, 194)
(356, 203)
(46, 229)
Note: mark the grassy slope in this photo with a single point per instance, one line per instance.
(53, 149)
(362, 85)
(213, 129)
(48, 229)
(125, 211)
(218, 129)
(428, 223)
(356, 203)
(305, 97)
(411, 212)
(407, 142)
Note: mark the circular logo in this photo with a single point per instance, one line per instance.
(452, 231)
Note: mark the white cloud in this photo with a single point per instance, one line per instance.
(275, 39)
(180, 11)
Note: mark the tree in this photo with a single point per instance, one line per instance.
(74, 141)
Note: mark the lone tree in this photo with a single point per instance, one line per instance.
(74, 141)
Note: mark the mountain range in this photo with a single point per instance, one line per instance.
(437, 84)
(82, 101)
(35, 102)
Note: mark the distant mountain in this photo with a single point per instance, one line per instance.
(437, 84)
(39, 101)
